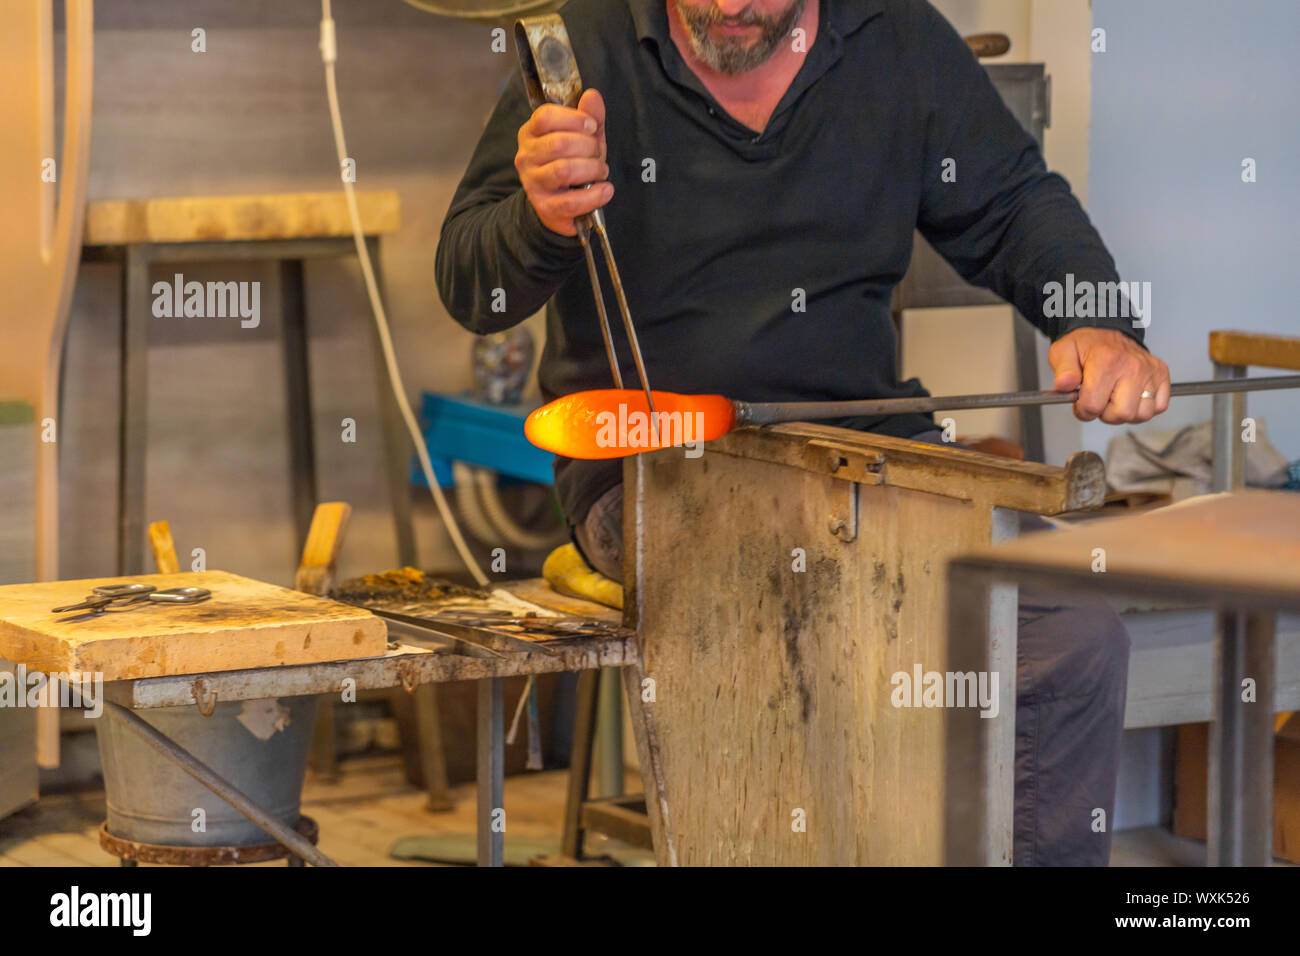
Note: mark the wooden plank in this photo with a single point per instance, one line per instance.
(938, 469)
(244, 624)
(1240, 545)
(772, 685)
(163, 547)
(1169, 676)
(1255, 348)
(115, 222)
(320, 554)
(539, 591)
(406, 665)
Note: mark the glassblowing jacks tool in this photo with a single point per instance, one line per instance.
(551, 76)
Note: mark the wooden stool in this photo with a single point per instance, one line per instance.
(286, 229)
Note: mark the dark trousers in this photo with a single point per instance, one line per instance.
(1071, 678)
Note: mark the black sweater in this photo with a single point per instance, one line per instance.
(721, 234)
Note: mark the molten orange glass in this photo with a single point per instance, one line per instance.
(615, 423)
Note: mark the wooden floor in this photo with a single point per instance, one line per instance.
(371, 807)
(361, 816)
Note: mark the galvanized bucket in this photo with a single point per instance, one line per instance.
(260, 747)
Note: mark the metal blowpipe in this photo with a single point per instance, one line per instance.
(770, 413)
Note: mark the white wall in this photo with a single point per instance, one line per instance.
(1186, 90)
(249, 116)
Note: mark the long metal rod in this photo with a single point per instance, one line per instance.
(770, 413)
(617, 281)
(584, 234)
(294, 840)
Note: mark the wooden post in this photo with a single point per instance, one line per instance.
(778, 585)
(41, 245)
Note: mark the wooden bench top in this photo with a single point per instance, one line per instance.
(1255, 348)
(244, 624)
(1216, 548)
(119, 222)
(868, 458)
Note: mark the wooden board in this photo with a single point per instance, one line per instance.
(1242, 545)
(244, 624)
(772, 686)
(1253, 348)
(117, 222)
(940, 469)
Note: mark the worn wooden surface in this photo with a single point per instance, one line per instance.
(941, 469)
(244, 624)
(772, 686)
(320, 553)
(1254, 348)
(163, 547)
(116, 222)
(1240, 547)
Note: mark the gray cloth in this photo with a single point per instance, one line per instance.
(1071, 679)
(1181, 462)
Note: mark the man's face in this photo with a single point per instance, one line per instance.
(731, 36)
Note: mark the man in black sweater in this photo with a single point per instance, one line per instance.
(771, 160)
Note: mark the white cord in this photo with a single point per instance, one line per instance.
(489, 499)
(329, 53)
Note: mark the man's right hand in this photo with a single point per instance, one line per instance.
(560, 148)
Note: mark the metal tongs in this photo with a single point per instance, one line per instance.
(551, 76)
(120, 595)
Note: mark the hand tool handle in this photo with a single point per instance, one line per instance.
(551, 76)
(989, 44)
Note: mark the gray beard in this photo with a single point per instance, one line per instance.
(733, 55)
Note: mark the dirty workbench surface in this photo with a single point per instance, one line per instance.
(402, 664)
(244, 624)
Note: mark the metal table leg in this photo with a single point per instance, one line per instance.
(491, 772)
(297, 380)
(221, 787)
(979, 751)
(397, 444)
(1241, 743)
(134, 408)
(1229, 455)
(610, 733)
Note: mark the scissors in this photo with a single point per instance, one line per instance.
(120, 595)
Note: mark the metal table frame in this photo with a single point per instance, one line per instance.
(290, 255)
(403, 666)
(1240, 791)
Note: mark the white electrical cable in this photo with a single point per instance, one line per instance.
(489, 500)
(471, 512)
(329, 53)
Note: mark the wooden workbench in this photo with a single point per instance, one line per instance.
(252, 641)
(776, 584)
(1238, 554)
(245, 623)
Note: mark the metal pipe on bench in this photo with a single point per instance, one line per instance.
(221, 787)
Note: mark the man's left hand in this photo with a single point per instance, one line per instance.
(1112, 373)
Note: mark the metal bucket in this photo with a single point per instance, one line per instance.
(151, 800)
